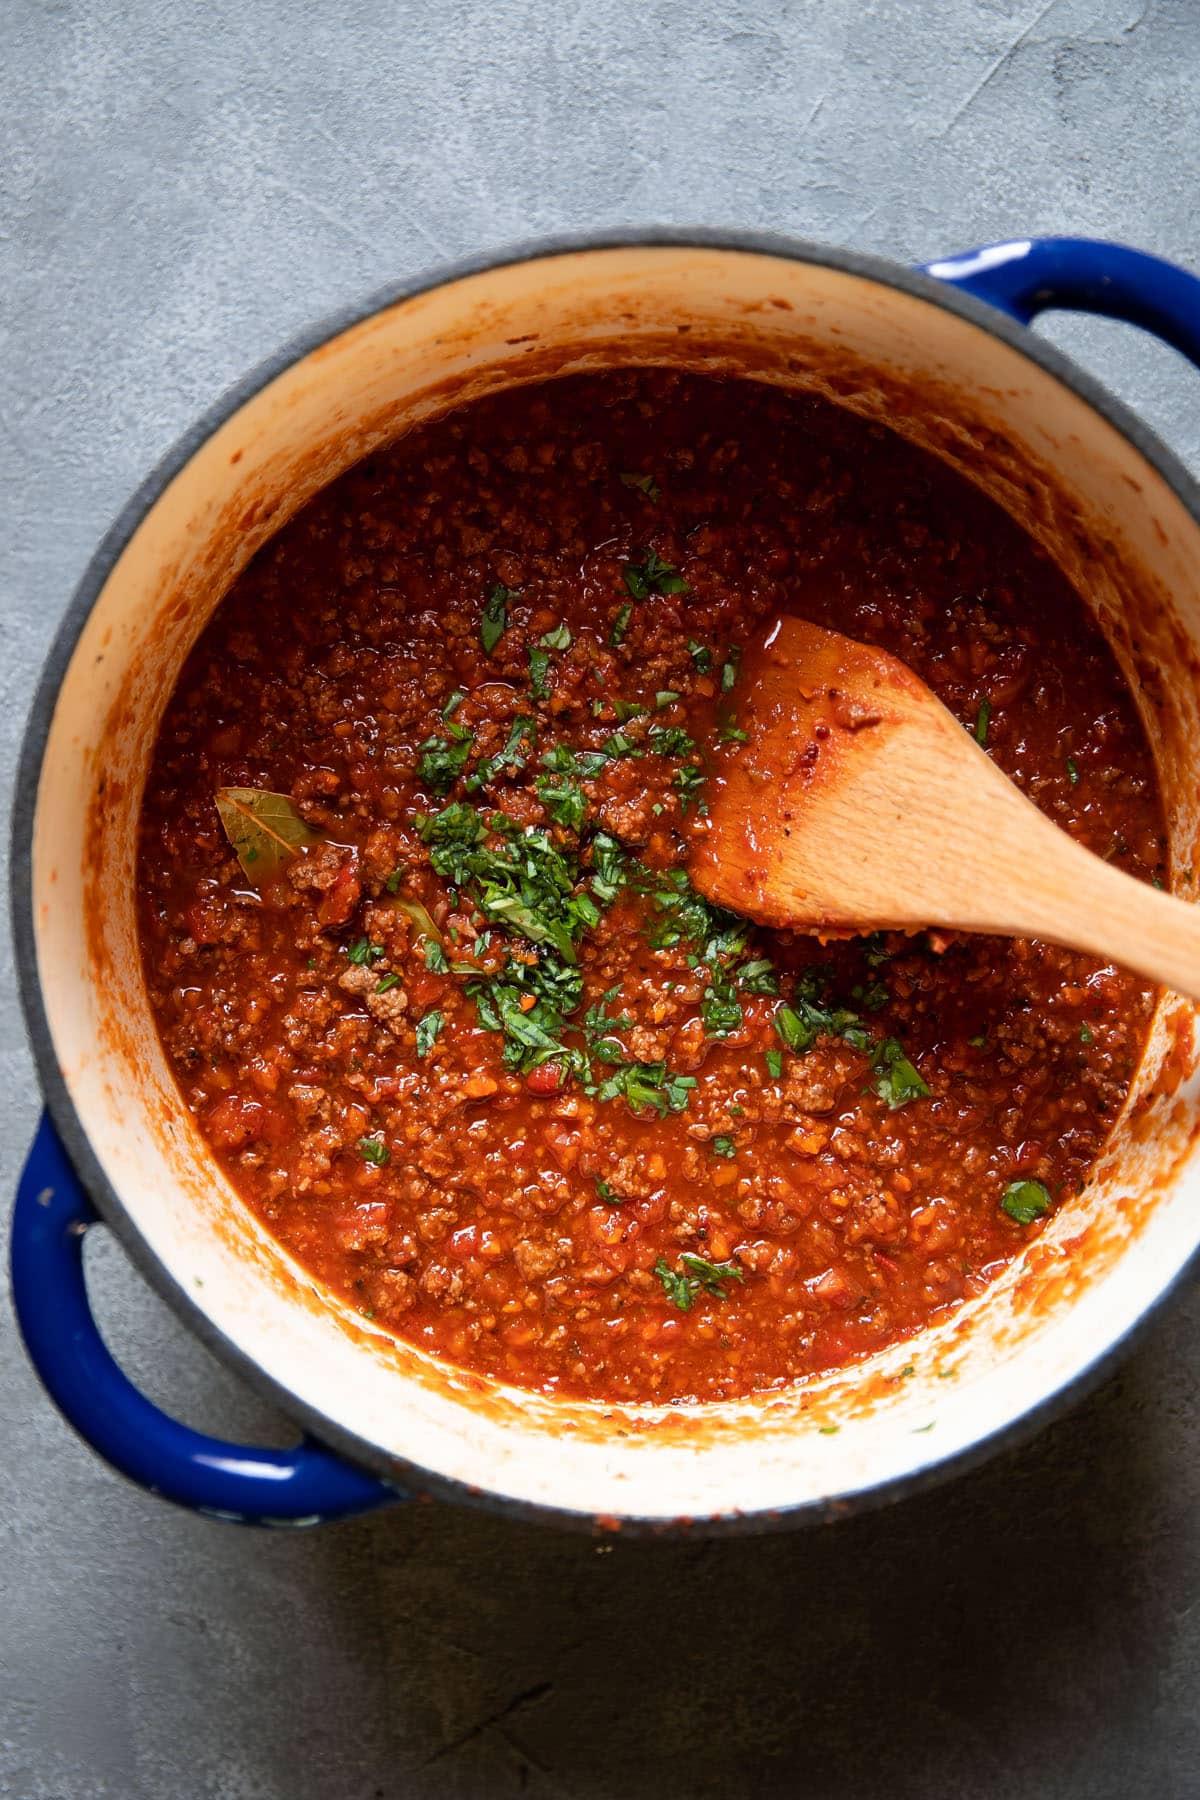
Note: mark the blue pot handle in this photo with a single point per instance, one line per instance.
(302, 1486)
(1082, 275)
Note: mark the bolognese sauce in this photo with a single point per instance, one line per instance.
(422, 948)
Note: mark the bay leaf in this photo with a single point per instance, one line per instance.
(264, 829)
(412, 909)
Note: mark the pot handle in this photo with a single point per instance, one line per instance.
(305, 1485)
(1036, 275)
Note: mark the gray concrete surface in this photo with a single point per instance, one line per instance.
(183, 186)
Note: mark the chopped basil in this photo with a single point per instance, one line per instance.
(373, 1151)
(364, 953)
(522, 739)
(457, 824)
(427, 1031)
(526, 884)
(531, 1022)
(875, 950)
(619, 744)
(386, 983)
(729, 669)
(1072, 770)
(539, 668)
(688, 780)
(896, 1079)
(982, 720)
(494, 618)
(872, 996)
(757, 976)
(666, 697)
(453, 702)
(599, 1023)
(775, 1064)
(648, 1087)
(701, 655)
(608, 867)
(731, 733)
(620, 624)
(681, 1286)
(585, 763)
(563, 799)
(1085, 1034)
(645, 484)
(1025, 1201)
(670, 740)
(723, 1146)
(435, 958)
(609, 1193)
(441, 760)
(720, 1010)
(801, 1024)
(677, 1288)
(392, 884)
(558, 639)
(652, 576)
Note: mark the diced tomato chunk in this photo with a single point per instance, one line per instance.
(239, 1119)
(547, 1078)
(342, 898)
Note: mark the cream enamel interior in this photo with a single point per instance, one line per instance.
(1093, 499)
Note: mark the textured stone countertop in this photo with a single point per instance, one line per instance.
(181, 188)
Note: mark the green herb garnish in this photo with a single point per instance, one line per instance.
(701, 655)
(441, 760)
(896, 1079)
(620, 624)
(373, 1151)
(652, 576)
(648, 1087)
(427, 1031)
(563, 799)
(608, 867)
(522, 739)
(982, 720)
(494, 618)
(729, 668)
(670, 740)
(558, 639)
(435, 958)
(681, 1286)
(539, 668)
(364, 953)
(645, 484)
(1025, 1201)
(723, 1146)
(620, 744)
(687, 781)
(775, 1064)
(585, 763)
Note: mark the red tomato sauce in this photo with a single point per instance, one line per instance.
(456, 1026)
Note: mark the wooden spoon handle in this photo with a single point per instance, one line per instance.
(1083, 901)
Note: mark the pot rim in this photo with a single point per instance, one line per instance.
(414, 1477)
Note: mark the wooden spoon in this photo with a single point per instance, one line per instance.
(859, 803)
